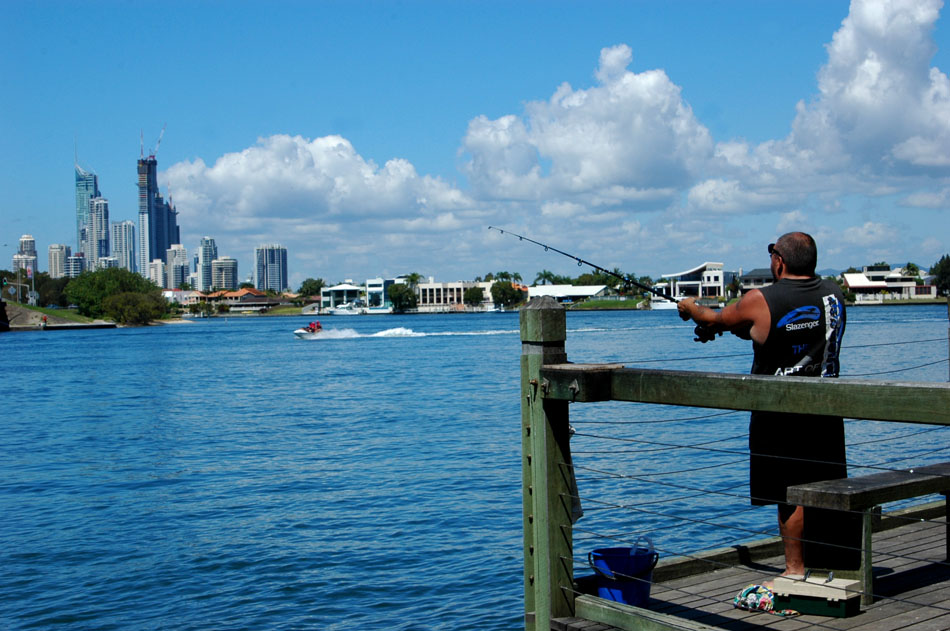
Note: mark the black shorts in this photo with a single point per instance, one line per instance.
(790, 449)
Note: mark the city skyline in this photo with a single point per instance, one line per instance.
(642, 135)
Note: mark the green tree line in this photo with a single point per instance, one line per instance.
(114, 293)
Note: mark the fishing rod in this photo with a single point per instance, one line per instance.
(627, 280)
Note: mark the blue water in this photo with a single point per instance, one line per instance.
(222, 474)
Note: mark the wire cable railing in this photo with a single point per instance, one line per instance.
(733, 492)
(678, 477)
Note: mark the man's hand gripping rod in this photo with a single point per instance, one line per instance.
(627, 280)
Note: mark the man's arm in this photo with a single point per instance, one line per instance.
(748, 318)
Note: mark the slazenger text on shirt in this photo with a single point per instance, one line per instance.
(802, 325)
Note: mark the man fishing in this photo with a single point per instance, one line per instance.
(796, 326)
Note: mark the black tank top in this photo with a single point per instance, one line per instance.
(807, 325)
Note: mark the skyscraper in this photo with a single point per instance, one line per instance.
(177, 266)
(158, 219)
(87, 187)
(123, 244)
(96, 245)
(25, 257)
(224, 273)
(271, 267)
(207, 252)
(156, 272)
(75, 265)
(58, 253)
(27, 244)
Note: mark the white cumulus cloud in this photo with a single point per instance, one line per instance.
(314, 195)
(881, 110)
(929, 199)
(729, 197)
(869, 234)
(632, 131)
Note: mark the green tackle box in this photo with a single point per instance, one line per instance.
(817, 596)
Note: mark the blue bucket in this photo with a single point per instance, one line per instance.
(624, 575)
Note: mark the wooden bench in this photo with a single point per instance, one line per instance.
(865, 494)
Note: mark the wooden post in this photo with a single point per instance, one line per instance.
(546, 488)
(866, 569)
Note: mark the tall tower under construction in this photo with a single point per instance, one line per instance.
(158, 219)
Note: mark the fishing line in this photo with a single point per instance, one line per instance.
(627, 280)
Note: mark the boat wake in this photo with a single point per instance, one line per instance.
(349, 334)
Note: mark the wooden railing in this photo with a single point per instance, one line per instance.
(549, 383)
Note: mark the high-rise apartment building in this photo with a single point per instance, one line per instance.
(156, 272)
(87, 187)
(27, 244)
(97, 232)
(58, 253)
(177, 266)
(158, 219)
(207, 253)
(25, 257)
(123, 244)
(271, 267)
(75, 265)
(224, 273)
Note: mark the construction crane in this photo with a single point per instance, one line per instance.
(158, 143)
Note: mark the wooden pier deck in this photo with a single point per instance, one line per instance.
(911, 576)
(912, 594)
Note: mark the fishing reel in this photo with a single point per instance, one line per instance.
(705, 334)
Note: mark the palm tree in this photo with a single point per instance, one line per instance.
(412, 279)
(545, 276)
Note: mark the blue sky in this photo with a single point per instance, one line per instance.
(380, 138)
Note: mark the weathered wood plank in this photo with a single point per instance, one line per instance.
(859, 493)
(916, 580)
(911, 402)
(579, 624)
(632, 618)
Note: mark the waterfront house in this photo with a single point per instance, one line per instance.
(183, 297)
(863, 288)
(755, 279)
(337, 295)
(703, 281)
(436, 297)
(245, 300)
(377, 293)
(878, 283)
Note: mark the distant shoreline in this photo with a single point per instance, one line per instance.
(64, 324)
(900, 303)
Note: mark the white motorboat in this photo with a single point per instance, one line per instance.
(347, 308)
(661, 304)
(664, 302)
